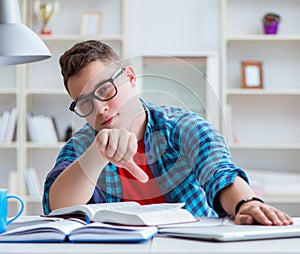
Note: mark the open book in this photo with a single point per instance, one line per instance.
(129, 213)
(75, 230)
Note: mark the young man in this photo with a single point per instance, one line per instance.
(132, 150)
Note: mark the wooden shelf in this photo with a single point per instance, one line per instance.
(78, 37)
(11, 145)
(8, 91)
(266, 146)
(266, 119)
(48, 91)
(263, 38)
(282, 199)
(240, 91)
(38, 88)
(32, 145)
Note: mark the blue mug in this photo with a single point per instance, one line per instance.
(3, 209)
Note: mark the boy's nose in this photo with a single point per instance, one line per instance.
(100, 106)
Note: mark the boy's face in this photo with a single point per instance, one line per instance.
(118, 112)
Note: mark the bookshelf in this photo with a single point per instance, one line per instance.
(266, 121)
(38, 88)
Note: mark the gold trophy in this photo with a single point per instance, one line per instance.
(45, 12)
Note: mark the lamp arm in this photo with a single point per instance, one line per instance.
(9, 12)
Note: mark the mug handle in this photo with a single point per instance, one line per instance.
(21, 210)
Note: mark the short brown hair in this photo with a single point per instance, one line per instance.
(83, 53)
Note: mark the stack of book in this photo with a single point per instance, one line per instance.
(106, 222)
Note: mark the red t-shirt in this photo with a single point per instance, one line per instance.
(134, 190)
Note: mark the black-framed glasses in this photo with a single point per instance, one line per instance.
(83, 106)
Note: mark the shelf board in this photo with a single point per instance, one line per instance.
(263, 146)
(33, 199)
(49, 91)
(78, 37)
(244, 91)
(32, 145)
(10, 145)
(282, 199)
(262, 38)
(7, 91)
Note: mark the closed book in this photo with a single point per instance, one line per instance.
(33, 182)
(11, 126)
(4, 125)
(32, 128)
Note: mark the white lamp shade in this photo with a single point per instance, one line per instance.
(18, 43)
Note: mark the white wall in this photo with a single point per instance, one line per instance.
(173, 26)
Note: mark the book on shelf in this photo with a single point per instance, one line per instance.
(8, 122)
(33, 182)
(41, 129)
(3, 123)
(74, 230)
(129, 213)
(13, 182)
(11, 126)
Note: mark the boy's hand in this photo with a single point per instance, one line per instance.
(118, 146)
(254, 212)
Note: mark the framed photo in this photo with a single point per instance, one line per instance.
(91, 23)
(252, 76)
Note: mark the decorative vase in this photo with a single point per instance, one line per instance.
(272, 28)
(270, 23)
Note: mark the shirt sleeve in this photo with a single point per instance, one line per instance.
(67, 155)
(210, 159)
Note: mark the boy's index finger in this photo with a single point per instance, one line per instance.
(135, 170)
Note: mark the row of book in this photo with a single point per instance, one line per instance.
(34, 185)
(8, 123)
(42, 129)
(33, 182)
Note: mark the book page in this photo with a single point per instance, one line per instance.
(114, 206)
(91, 209)
(64, 226)
(163, 207)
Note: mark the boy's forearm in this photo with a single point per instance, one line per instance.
(76, 184)
(234, 193)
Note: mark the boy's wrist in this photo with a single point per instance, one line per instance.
(245, 200)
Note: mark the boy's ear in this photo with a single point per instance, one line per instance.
(131, 75)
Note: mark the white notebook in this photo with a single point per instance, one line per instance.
(232, 232)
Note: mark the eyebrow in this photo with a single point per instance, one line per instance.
(115, 75)
(82, 96)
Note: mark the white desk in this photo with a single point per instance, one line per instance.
(171, 245)
(159, 245)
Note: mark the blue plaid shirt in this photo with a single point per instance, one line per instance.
(188, 158)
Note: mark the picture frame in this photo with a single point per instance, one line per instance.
(91, 23)
(252, 74)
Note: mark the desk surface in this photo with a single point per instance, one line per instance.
(159, 245)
